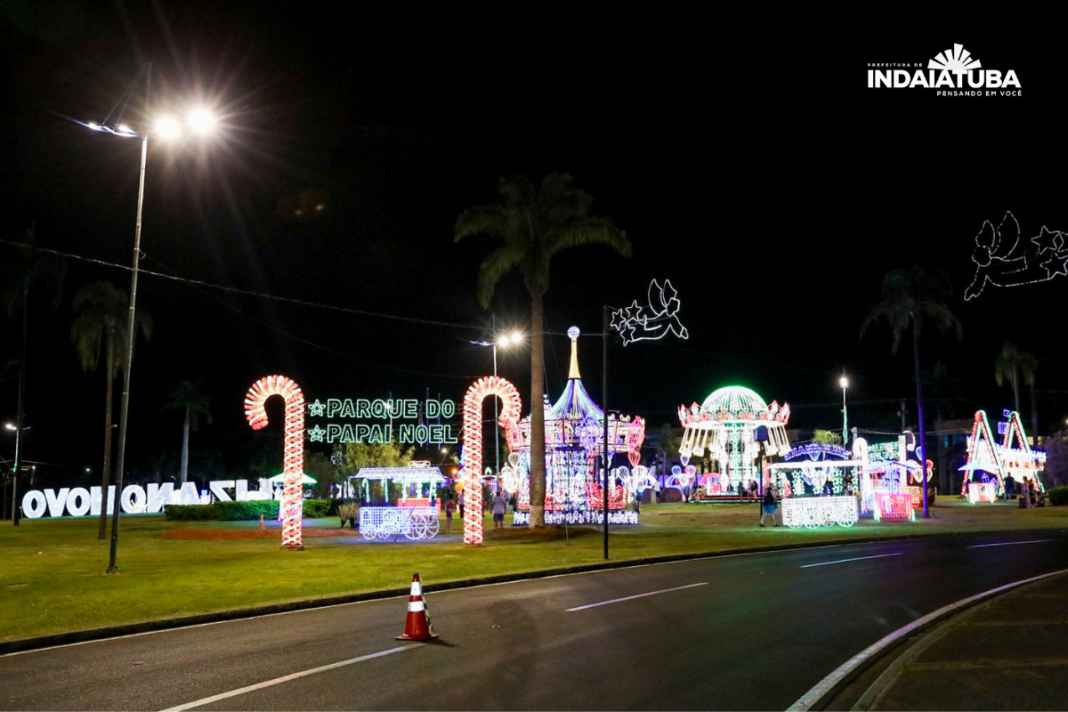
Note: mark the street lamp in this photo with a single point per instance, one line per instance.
(513, 339)
(165, 127)
(844, 383)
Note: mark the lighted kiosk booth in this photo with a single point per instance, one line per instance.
(990, 464)
(816, 485)
(825, 485)
(417, 510)
(574, 441)
(734, 426)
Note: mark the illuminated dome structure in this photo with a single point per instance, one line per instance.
(734, 426)
(574, 440)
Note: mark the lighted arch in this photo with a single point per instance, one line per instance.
(471, 456)
(293, 454)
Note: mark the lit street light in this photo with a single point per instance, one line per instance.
(844, 383)
(167, 128)
(513, 339)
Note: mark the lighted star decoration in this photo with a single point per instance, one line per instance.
(652, 322)
(1004, 260)
(316, 434)
(316, 409)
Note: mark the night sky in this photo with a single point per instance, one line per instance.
(763, 179)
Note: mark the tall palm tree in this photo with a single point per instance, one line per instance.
(534, 224)
(912, 297)
(945, 390)
(187, 396)
(101, 313)
(1014, 365)
(22, 267)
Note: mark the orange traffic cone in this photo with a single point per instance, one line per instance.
(417, 625)
(261, 523)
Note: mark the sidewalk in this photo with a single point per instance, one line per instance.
(1008, 654)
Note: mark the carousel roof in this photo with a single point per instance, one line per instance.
(735, 401)
(575, 419)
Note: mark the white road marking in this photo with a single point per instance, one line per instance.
(842, 561)
(1008, 543)
(814, 695)
(640, 595)
(286, 678)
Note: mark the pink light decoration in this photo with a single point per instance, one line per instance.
(472, 452)
(634, 456)
(293, 458)
(893, 506)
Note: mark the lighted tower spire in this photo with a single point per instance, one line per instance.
(573, 372)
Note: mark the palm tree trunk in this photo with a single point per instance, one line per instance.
(537, 415)
(919, 414)
(20, 445)
(1015, 389)
(105, 477)
(185, 446)
(1034, 416)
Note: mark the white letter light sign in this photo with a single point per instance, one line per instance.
(80, 502)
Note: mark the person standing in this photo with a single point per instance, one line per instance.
(461, 504)
(1025, 492)
(1010, 485)
(768, 505)
(499, 505)
(450, 507)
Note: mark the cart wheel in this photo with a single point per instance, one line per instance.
(812, 523)
(368, 532)
(845, 522)
(433, 527)
(417, 528)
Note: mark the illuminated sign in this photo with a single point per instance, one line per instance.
(388, 411)
(81, 502)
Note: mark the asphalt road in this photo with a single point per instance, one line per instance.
(741, 632)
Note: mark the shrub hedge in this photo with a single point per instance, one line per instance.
(1058, 496)
(244, 511)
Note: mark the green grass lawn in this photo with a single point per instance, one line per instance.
(52, 577)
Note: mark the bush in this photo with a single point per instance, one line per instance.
(243, 511)
(247, 511)
(190, 512)
(317, 508)
(1058, 496)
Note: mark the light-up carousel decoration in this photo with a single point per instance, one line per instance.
(734, 426)
(292, 507)
(990, 463)
(574, 441)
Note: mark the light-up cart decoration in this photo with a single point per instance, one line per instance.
(417, 512)
(292, 506)
(990, 463)
(725, 426)
(574, 440)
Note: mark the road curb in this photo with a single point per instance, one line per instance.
(818, 699)
(82, 636)
(930, 635)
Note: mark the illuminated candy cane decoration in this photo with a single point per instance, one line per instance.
(471, 456)
(293, 457)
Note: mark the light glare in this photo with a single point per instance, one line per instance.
(844, 382)
(201, 121)
(167, 128)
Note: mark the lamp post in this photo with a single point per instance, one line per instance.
(507, 340)
(199, 121)
(844, 383)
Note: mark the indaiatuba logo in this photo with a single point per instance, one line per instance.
(954, 72)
